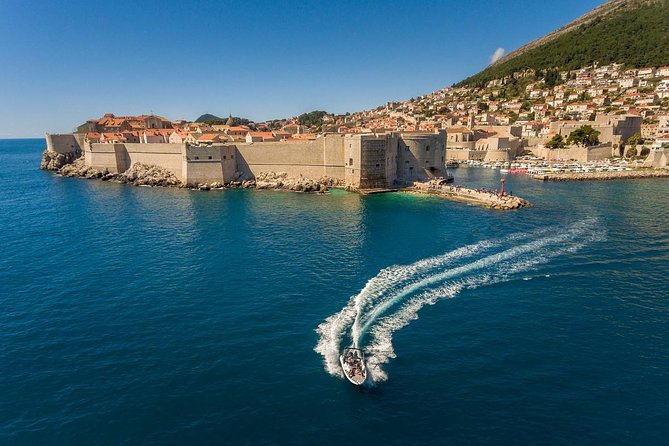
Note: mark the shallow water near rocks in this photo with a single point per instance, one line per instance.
(168, 316)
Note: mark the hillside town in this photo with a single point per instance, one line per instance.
(532, 112)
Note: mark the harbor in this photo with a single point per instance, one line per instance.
(539, 169)
(489, 198)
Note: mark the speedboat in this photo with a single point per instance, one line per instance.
(353, 364)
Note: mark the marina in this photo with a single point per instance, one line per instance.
(616, 168)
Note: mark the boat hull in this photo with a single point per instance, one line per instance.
(356, 379)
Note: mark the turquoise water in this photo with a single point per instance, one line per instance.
(160, 316)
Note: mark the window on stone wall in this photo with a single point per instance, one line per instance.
(378, 165)
(197, 157)
(224, 157)
(210, 157)
(427, 148)
(350, 161)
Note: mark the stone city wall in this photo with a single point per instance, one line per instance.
(65, 143)
(313, 159)
(117, 158)
(579, 154)
(210, 164)
(465, 154)
(420, 156)
(502, 155)
(379, 158)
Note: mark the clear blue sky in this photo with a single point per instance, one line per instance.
(62, 62)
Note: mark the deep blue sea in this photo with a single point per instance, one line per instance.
(132, 315)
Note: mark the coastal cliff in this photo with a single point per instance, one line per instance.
(55, 161)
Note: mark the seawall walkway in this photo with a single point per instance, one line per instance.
(587, 176)
(479, 197)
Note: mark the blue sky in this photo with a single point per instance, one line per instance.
(62, 62)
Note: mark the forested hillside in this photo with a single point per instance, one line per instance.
(636, 34)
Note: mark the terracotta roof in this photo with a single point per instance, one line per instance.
(458, 130)
(262, 134)
(208, 136)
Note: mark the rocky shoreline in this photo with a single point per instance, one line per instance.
(72, 165)
(471, 196)
(602, 176)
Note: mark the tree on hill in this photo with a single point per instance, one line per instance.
(207, 117)
(215, 120)
(631, 152)
(635, 139)
(585, 136)
(556, 142)
(312, 119)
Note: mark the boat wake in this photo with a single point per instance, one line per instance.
(392, 299)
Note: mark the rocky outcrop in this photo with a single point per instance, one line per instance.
(148, 175)
(277, 181)
(73, 165)
(78, 169)
(55, 161)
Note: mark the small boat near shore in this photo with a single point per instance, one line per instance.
(353, 364)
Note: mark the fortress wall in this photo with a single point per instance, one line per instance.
(465, 154)
(391, 158)
(580, 154)
(210, 164)
(352, 160)
(103, 156)
(64, 143)
(118, 158)
(601, 152)
(497, 155)
(294, 158)
(418, 153)
(166, 155)
(203, 171)
(333, 156)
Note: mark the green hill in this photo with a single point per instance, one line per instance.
(631, 32)
(208, 117)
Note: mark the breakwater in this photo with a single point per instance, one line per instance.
(586, 176)
(478, 197)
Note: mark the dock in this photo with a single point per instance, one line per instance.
(601, 176)
(476, 197)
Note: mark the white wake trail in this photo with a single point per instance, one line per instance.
(380, 349)
(332, 331)
(411, 287)
(455, 272)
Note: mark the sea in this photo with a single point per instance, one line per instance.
(153, 316)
